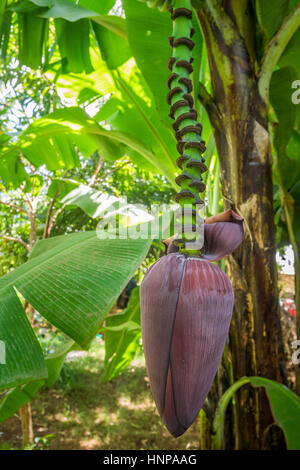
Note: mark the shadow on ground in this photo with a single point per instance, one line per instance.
(85, 413)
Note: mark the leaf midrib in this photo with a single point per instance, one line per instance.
(37, 261)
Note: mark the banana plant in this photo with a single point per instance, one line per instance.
(286, 154)
(244, 42)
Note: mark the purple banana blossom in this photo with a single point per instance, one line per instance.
(186, 308)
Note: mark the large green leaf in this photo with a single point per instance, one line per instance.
(54, 152)
(115, 24)
(92, 202)
(122, 337)
(291, 56)
(2, 12)
(280, 98)
(131, 219)
(114, 48)
(285, 138)
(270, 16)
(6, 23)
(12, 171)
(148, 31)
(67, 11)
(32, 34)
(51, 140)
(295, 194)
(71, 84)
(285, 406)
(72, 10)
(23, 360)
(293, 147)
(47, 140)
(74, 41)
(99, 7)
(54, 362)
(72, 28)
(138, 116)
(72, 31)
(74, 280)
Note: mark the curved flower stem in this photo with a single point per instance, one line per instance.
(187, 130)
(218, 424)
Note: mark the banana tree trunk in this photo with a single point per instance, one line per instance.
(25, 410)
(239, 118)
(27, 427)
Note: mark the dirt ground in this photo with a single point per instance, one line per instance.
(82, 412)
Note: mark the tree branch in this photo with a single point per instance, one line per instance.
(48, 218)
(51, 205)
(53, 219)
(274, 50)
(32, 235)
(117, 168)
(14, 206)
(93, 179)
(14, 239)
(28, 202)
(210, 106)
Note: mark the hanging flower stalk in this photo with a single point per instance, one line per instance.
(187, 130)
(186, 301)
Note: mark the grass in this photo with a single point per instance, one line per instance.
(82, 412)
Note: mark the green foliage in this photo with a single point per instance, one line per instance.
(33, 31)
(285, 109)
(122, 338)
(163, 5)
(286, 136)
(68, 379)
(73, 281)
(51, 139)
(55, 362)
(114, 48)
(23, 355)
(25, 94)
(74, 40)
(13, 223)
(16, 397)
(295, 194)
(67, 268)
(285, 406)
(70, 10)
(270, 19)
(41, 442)
(148, 32)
